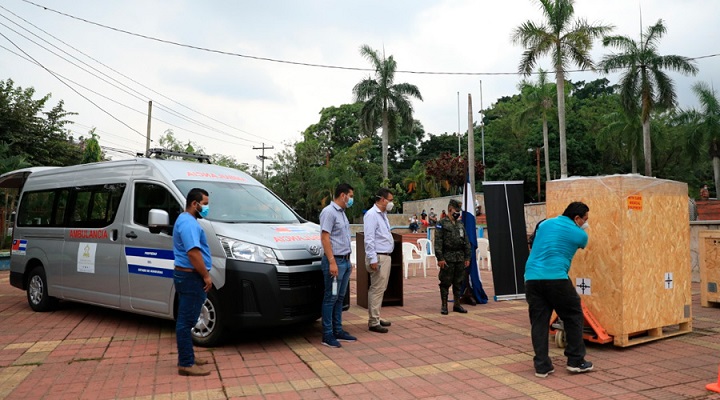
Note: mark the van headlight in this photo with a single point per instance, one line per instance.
(245, 251)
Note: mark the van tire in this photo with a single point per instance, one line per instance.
(37, 291)
(210, 329)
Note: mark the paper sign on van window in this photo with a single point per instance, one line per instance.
(86, 257)
(635, 202)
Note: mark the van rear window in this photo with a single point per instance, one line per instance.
(78, 207)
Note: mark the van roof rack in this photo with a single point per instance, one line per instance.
(164, 153)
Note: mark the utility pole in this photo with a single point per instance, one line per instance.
(147, 140)
(471, 151)
(482, 125)
(262, 158)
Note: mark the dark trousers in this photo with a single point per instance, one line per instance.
(544, 296)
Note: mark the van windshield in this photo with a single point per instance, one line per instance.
(237, 203)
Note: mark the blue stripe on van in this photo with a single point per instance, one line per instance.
(150, 253)
(145, 270)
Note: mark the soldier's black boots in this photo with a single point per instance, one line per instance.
(458, 308)
(469, 299)
(443, 309)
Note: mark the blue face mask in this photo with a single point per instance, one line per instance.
(205, 210)
(350, 202)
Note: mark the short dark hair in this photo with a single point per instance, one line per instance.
(343, 188)
(575, 209)
(455, 204)
(382, 193)
(195, 194)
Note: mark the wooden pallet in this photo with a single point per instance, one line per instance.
(652, 334)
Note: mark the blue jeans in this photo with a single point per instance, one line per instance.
(191, 296)
(332, 305)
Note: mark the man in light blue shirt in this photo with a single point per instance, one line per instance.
(548, 287)
(378, 248)
(335, 264)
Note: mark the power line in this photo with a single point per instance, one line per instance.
(115, 101)
(305, 64)
(136, 94)
(70, 87)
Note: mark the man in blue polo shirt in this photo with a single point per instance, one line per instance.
(548, 287)
(191, 277)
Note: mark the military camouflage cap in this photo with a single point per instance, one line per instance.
(455, 204)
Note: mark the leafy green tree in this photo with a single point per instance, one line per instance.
(168, 141)
(32, 132)
(567, 42)
(621, 137)
(644, 78)
(93, 152)
(703, 128)
(419, 185)
(538, 100)
(385, 101)
(229, 161)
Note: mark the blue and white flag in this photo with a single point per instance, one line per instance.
(468, 217)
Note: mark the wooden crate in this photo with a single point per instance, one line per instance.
(635, 271)
(709, 254)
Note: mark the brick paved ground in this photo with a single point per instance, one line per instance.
(85, 352)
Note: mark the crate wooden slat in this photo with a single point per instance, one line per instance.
(639, 238)
(709, 254)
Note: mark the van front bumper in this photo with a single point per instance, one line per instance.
(257, 295)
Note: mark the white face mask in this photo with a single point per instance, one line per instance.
(585, 226)
(389, 206)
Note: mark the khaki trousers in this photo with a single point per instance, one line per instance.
(378, 284)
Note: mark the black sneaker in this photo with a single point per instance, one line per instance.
(343, 336)
(544, 374)
(330, 341)
(583, 366)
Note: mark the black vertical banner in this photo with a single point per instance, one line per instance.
(505, 212)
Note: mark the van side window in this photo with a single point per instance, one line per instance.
(36, 209)
(95, 206)
(150, 196)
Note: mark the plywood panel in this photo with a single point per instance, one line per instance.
(639, 237)
(709, 255)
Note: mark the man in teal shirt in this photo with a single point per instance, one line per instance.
(548, 287)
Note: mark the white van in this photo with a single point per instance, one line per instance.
(102, 234)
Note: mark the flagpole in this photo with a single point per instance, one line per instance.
(471, 152)
(482, 129)
(458, 131)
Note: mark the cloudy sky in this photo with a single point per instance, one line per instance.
(230, 104)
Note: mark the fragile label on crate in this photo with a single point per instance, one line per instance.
(668, 280)
(583, 286)
(635, 202)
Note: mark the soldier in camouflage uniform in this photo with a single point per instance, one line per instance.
(452, 249)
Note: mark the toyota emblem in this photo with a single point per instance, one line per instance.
(314, 250)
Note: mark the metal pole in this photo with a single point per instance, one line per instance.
(458, 131)
(537, 157)
(482, 124)
(471, 150)
(147, 139)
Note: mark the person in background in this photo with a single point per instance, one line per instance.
(452, 249)
(191, 278)
(413, 224)
(443, 214)
(704, 193)
(379, 246)
(548, 287)
(432, 217)
(335, 264)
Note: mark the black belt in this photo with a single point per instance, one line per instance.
(384, 254)
(345, 257)
(185, 269)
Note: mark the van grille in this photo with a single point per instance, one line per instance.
(289, 280)
(305, 261)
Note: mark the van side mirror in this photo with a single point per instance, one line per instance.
(159, 221)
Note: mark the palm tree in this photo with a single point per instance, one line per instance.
(645, 78)
(621, 135)
(704, 127)
(384, 101)
(567, 42)
(538, 99)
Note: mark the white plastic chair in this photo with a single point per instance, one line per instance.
(427, 251)
(409, 250)
(483, 252)
(353, 254)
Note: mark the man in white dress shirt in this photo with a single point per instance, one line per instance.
(378, 247)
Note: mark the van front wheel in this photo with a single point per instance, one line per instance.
(37, 291)
(209, 329)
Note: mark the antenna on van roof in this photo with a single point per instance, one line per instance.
(164, 153)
